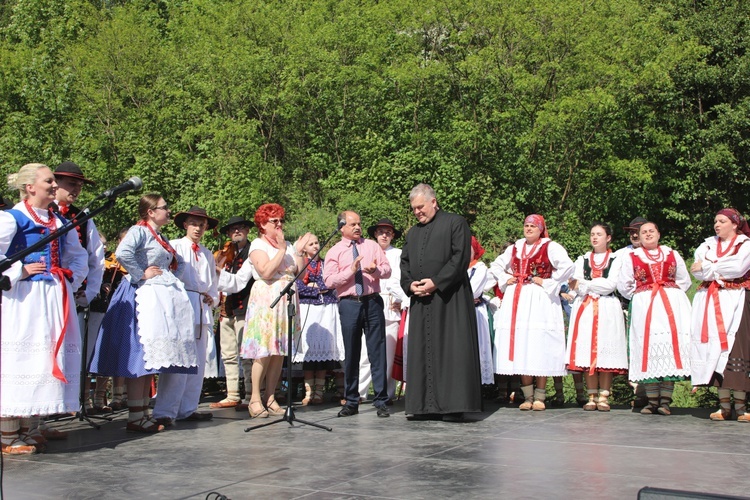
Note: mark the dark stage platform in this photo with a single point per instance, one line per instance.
(501, 453)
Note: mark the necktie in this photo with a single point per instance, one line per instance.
(358, 281)
(196, 251)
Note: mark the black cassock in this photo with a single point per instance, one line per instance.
(442, 368)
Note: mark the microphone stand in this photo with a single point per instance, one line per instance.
(6, 263)
(289, 292)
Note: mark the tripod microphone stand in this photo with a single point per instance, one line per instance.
(289, 292)
(82, 414)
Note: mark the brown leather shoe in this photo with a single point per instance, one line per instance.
(224, 403)
(54, 434)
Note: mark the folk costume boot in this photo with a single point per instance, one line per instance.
(581, 395)
(539, 396)
(318, 388)
(309, 382)
(725, 406)
(116, 403)
(591, 404)
(665, 397)
(139, 420)
(100, 399)
(12, 444)
(740, 406)
(652, 393)
(29, 433)
(603, 403)
(528, 398)
(559, 399)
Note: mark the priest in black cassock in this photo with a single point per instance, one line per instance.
(442, 374)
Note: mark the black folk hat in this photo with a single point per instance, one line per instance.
(70, 169)
(195, 211)
(384, 222)
(234, 221)
(635, 224)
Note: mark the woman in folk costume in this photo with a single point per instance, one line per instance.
(478, 276)
(720, 353)
(321, 346)
(655, 279)
(530, 331)
(148, 326)
(41, 341)
(597, 344)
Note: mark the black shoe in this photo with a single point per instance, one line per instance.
(423, 416)
(348, 411)
(165, 421)
(453, 417)
(198, 417)
(383, 411)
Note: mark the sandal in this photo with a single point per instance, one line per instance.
(18, 447)
(722, 413)
(144, 424)
(603, 403)
(649, 409)
(263, 413)
(590, 405)
(273, 407)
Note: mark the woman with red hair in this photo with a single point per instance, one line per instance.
(720, 352)
(478, 277)
(530, 331)
(273, 263)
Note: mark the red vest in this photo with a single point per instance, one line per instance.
(648, 273)
(538, 265)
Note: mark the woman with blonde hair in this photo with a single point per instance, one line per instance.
(41, 340)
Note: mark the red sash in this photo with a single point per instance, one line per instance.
(594, 333)
(63, 275)
(523, 269)
(658, 287)
(712, 294)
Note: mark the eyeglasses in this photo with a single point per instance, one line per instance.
(234, 229)
(163, 207)
(276, 221)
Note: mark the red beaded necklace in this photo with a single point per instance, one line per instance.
(722, 253)
(597, 270)
(657, 258)
(51, 225)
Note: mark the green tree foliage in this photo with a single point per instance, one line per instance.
(579, 110)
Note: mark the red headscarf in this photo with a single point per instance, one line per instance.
(538, 221)
(736, 218)
(478, 251)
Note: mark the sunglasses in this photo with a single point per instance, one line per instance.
(276, 221)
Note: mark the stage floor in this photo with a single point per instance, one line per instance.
(500, 453)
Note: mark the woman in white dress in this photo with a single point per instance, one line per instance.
(529, 326)
(478, 276)
(655, 278)
(720, 353)
(321, 346)
(41, 355)
(597, 344)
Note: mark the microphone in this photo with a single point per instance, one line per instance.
(342, 223)
(132, 184)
